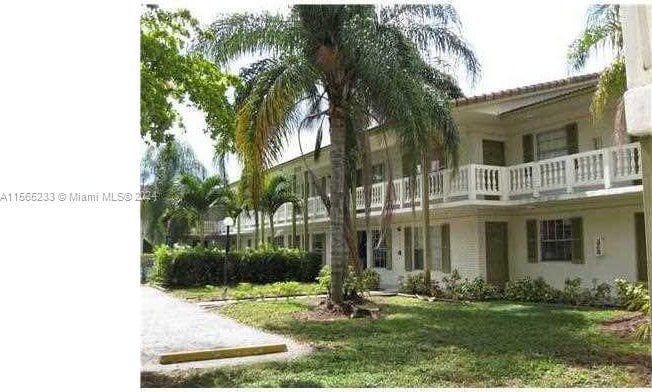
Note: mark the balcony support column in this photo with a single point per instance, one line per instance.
(503, 183)
(471, 182)
(607, 167)
(570, 174)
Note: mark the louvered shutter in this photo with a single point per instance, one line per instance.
(445, 248)
(528, 148)
(577, 233)
(532, 248)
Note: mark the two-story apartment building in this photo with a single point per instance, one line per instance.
(540, 190)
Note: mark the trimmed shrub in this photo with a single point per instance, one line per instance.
(369, 280)
(528, 290)
(198, 266)
(416, 284)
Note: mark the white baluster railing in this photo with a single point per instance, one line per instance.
(608, 167)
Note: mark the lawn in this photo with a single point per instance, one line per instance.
(247, 290)
(422, 344)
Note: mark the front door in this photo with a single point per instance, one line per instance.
(496, 249)
(641, 249)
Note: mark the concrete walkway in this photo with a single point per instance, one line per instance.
(169, 324)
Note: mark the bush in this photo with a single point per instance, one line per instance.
(452, 285)
(198, 266)
(161, 272)
(477, 290)
(528, 290)
(416, 284)
(633, 296)
(369, 280)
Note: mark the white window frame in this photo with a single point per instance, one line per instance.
(559, 239)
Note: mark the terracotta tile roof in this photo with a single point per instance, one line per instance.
(526, 89)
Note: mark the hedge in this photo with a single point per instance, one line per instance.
(191, 267)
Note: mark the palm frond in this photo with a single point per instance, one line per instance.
(611, 86)
(249, 34)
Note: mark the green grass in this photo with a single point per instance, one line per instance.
(248, 290)
(422, 344)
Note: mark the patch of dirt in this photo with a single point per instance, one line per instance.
(624, 326)
(325, 310)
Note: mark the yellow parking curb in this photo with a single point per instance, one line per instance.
(229, 352)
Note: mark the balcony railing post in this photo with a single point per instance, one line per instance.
(503, 183)
(471, 178)
(607, 166)
(445, 184)
(570, 173)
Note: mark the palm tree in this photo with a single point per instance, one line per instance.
(354, 65)
(276, 192)
(196, 197)
(236, 203)
(161, 166)
(602, 31)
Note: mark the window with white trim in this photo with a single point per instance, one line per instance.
(556, 237)
(379, 246)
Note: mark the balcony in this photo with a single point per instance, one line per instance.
(606, 168)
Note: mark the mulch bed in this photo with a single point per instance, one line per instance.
(624, 326)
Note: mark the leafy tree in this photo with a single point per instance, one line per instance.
(161, 166)
(602, 31)
(169, 74)
(354, 65)
(276, 192)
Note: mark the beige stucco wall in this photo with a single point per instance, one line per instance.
(615, 225)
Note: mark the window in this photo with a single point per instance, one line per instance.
(377, 173)
(556, 240)
(415, 249)
(279, 241)
(379, 246)
(552, 144)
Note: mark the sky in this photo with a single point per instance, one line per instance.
(517, 43)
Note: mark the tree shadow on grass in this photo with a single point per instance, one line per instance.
(502, 340)
(438, 344)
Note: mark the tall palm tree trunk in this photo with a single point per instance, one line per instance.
(306, 234)
(256, 229)
(338, 246)
(425, 211)
(293, 242)
(237, 235)
(271, 227)
(262, 228)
